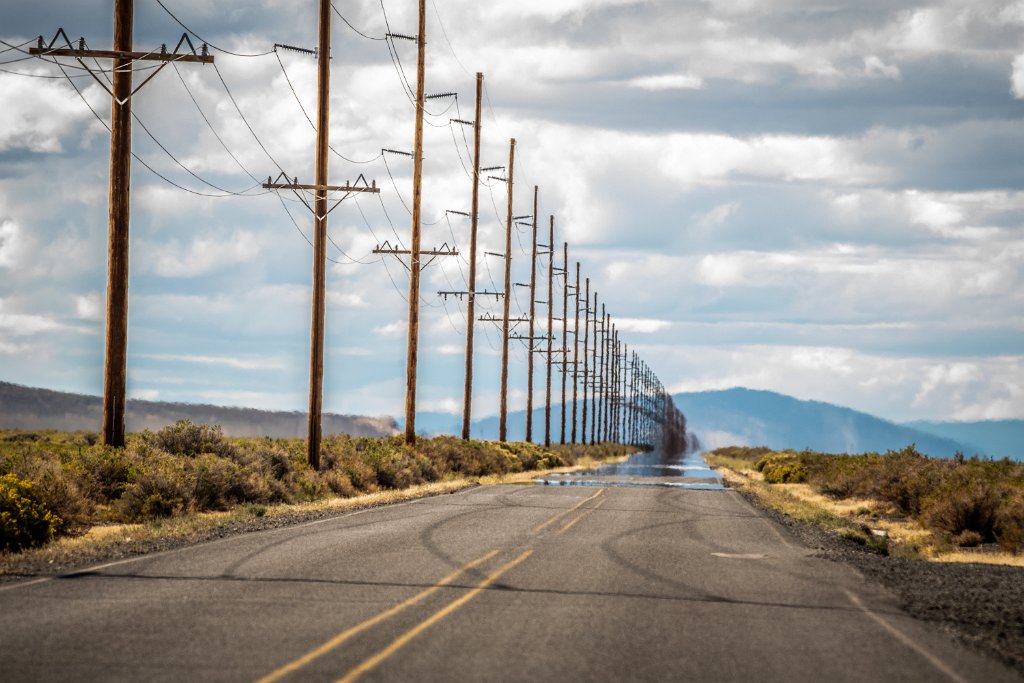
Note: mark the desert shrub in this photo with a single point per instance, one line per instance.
(217, 483)
(1009, 531)
(339, 483)
(104, 473)
(963, 506)
(186, 438)
(782, 468)
(968, 539)
(25, 521)
(159, 490)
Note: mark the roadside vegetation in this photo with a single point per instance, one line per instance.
(900, 502)
(55, 484)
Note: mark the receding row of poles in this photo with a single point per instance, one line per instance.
(617, 395)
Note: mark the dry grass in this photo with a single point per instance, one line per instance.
(905, 535)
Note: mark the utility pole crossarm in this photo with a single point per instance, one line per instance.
(151, 56)
(324, 188)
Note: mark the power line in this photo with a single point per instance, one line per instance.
(245, 120)
(200, 38)
(349, 24)
(140, 159)
(312, 125)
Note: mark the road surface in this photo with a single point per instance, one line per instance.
(501, 583)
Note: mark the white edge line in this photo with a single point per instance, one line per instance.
(906, 640)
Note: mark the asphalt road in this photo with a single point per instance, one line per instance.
(506, 583)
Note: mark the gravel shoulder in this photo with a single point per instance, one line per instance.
(980, 605)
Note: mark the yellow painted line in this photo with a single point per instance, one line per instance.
(372, 621)
(582, 515)
(403, 639)
(565, 512)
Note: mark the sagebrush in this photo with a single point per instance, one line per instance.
(189, 467)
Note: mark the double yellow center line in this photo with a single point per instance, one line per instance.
(400, 642)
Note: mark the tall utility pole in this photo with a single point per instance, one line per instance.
(503, 411)
(467, 394)
(316, 356)
(576, 357)
(593, 400)
(565, 329)
(550, 335)
(533, 310)
(320, 212)
(414, 258)
(602, 404)
(115, 367)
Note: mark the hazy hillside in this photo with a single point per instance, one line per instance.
(431, 423)
(997, 438)
(748, 417)
(29, 408)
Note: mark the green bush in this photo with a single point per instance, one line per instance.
(24, 521)
(160, 490)
(187, 438)
(782, 468)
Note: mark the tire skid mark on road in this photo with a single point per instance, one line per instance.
(374, 660)
(587, 512)
(337, 640)
(400, 642)
(540, 527)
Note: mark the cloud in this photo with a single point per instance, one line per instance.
(392, 329)
(203, 256)
(89, 307)
(874, 66)
(237, 362)
(641, 325)
(12, 244)
(666, 82)
(26, 324)
(37, 115)
(1017, 77)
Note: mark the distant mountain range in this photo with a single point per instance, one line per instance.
(28, 408)
(749, 417)
(717, 418)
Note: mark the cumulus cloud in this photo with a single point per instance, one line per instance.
(11, 244)
(667, 82)
(874, 66)
(201, 256)
(1017, 77)
(89, 307)
(834, 185)
(37, 115)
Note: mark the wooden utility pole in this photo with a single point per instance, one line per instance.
(602, 404)
(533, 310)
(565, 329)
(593, 400)
(576, 357)
(467, 394)
(503, 411)
(550, 335)
(586, 341)
(316, 355)
(320, 212)
(414, 258)
(115, 366)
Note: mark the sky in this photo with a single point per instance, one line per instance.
(820, 199)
